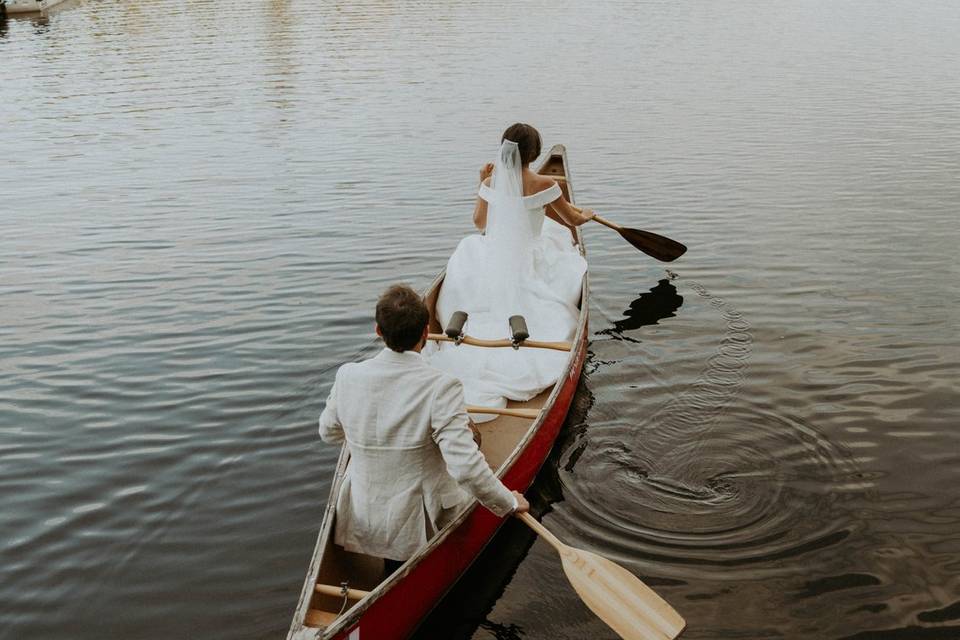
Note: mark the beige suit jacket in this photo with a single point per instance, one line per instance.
(413, 461)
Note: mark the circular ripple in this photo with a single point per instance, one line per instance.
(753, 489)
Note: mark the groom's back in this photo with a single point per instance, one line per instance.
(386, 401)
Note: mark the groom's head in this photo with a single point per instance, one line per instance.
(402, 318)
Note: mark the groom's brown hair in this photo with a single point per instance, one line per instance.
(401, 316)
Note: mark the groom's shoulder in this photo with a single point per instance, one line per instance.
(347, 369)
(440, 380)
(447, 388)
(363, 373)
(417, 370)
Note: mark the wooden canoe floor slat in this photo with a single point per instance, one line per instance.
(316, 618)
(500, 436)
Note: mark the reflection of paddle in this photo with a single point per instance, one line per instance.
(656, 246)
(618, 597)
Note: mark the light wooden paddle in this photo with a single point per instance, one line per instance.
(652, 244)
(618, 597)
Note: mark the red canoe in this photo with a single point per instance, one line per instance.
(376, 609)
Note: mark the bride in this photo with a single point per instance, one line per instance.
(525, 264)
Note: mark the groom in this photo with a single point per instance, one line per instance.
(413, 459)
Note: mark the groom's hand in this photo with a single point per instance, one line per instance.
(522, 505)
(475, 430)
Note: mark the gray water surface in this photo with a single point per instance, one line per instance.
(200, 202)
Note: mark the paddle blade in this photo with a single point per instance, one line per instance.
(619, 598)
(655, 246)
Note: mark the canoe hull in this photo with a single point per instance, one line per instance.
(398, 613)
(396, 607)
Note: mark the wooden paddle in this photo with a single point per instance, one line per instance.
(652, 244)
(618, 597)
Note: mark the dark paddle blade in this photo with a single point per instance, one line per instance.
(655, 246)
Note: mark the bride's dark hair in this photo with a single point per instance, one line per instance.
(527, 138)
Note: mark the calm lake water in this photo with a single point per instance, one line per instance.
(200, 202)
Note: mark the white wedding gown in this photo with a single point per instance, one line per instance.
(525, 264)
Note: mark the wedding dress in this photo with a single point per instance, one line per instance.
(525, 264)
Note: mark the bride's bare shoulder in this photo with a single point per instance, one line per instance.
(539, 183)
(546, 180)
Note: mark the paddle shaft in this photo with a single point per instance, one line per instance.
(654, 245)
(478, 342)
(544, 533)
(607, 223)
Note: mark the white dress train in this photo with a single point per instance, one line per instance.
(525, 264)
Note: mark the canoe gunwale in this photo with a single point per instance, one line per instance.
(352, 616)
(326, 530)
(29, 7)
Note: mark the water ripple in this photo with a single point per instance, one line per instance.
(200, 201)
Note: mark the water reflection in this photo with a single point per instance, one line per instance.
(661, 301)
(705, 481)
(201, 199)
(281, 57)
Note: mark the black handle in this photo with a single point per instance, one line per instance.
(455, 326)
(518, 329)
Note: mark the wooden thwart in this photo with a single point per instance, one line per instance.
(478, 342)
(332, 590)
(517, 413)
(618, 597)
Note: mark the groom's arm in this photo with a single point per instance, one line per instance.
(331, 431)
(464, 461)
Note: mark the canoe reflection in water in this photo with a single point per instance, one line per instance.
(662, 301)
